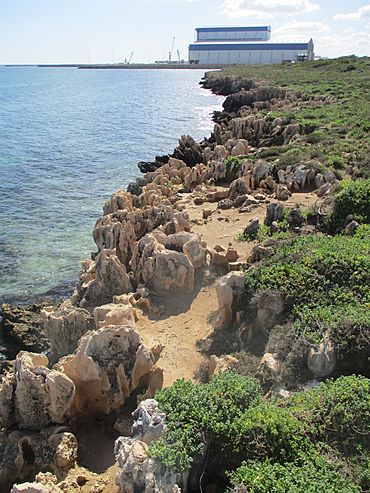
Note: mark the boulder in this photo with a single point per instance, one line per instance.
(324, 189)
(229, 289)
(220, 153)
(352, 227)
(295, 218)
(35, 397)
(64, 326)
(106, 367)
(241, 148)
(149, 422)
(319, 180)
(138, 472)
(217, 365)
(25, 454)
(114, 314)
(238, 187)
(322, 361)
(252, 228)
(160, 269)
(274, 212)
(259, 252)
(110, 279)
(22, 329)
(270, 307)
(282, 193)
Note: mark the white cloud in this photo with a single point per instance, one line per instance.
(361, 13)
(299, 28)
(337, 44)
(266, 8)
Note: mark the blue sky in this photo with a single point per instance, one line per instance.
(74, 31)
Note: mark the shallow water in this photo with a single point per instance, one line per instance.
(68, 139)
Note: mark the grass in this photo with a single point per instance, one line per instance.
(338, 128)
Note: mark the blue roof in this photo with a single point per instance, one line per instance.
(231, 28)
(247, 46)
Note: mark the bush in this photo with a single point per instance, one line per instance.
(233, 167)
(315, 270)
(352, 199)
(201, 415)
(265, 477)
(336, 412)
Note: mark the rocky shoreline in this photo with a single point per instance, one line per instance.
(161, 244)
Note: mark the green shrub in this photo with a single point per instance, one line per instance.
(233, 167)
(201, 416)
(336, 412)
(314, 270)
(352, 199)
(265, 477)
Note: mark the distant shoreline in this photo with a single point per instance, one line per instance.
(131, 66)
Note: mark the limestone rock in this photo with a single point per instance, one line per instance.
(140, 473)
(106, 367)
(322, 361)
(252, 228)
(160, 269)
(22, 328)
(110, 279)
(228, 289)
(270, 306)
(274, 212)
(24, 454)
(282, 193)
(35, 397)
(238, 187)
(119, 200)
(149, 422)
(114, 314)
(64, 327)
(220, 364)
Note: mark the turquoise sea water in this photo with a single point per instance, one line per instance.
(68, 139)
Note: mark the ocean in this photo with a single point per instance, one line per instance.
(68, 139)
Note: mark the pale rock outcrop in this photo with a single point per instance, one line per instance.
(138, 472)
(220, 153)
(110, 279)
(322, 361)
(149, 421)
(160, 269)
(119, 200)
(241, 148)
(106, 367)
(24, 454)
(270, 307)
(35, 397)
(114, 314)
(64, 326)
(217, 365)
(228, 289)
(190, 244)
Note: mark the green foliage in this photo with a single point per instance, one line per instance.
(312, 270)
(353, 199)
(233, 166)
(265, 477)
(201, 414)
(337, 412)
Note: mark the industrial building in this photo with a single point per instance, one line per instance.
(237, 45)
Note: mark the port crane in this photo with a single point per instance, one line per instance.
(172, 48)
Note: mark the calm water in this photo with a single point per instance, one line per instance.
(68, 139)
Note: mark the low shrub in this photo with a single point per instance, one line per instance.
(201, 416)
(352, 199)
(233, 167)
(265, 477)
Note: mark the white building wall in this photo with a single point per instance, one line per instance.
(233, 35)
(244, 57)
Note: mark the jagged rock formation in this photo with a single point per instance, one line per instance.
(106, 367)
(32, 396)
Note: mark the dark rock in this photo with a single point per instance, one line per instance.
(351, 228)
(225, 204)
(238, 187)
(252, 228)
(188, 151)
(295, 218)
(136, 187)
(225, 85)
(274, 212)
(22, 329)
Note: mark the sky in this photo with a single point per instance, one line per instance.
(105, 31)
